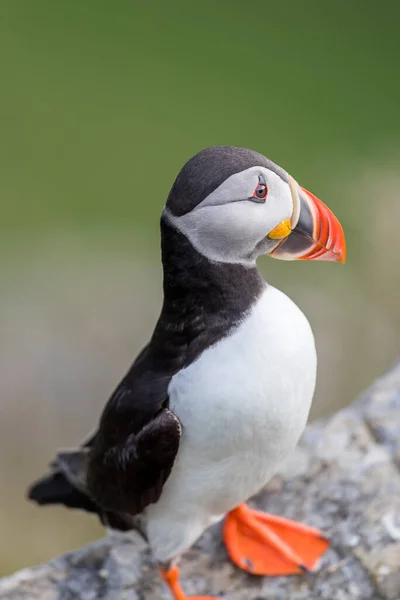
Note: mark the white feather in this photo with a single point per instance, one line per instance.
(243, 405)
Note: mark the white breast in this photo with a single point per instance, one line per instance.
(243, 405)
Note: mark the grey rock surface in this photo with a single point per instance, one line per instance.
(344, 478)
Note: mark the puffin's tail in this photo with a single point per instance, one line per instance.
(56, 489)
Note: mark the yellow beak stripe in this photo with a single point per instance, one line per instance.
(280, 231)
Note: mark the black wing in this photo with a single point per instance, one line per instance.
(123, 466)
(127, 476)
(138, 437)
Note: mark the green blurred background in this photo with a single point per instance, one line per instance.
(101, 103)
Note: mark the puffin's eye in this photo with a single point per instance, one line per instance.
(261, 192)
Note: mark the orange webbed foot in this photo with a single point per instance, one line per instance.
(171, 578)
(264, 544)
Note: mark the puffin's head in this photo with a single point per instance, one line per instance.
(233, 204)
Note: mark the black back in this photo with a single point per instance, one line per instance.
(138, 437)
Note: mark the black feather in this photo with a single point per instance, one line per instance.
(56, 489)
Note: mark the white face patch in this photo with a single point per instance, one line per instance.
(229, 227)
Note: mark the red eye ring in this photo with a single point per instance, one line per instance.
(261, 191)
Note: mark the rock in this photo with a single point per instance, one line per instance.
(344, 478)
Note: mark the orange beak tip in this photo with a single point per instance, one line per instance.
(330, 242)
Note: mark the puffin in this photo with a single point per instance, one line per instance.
(221, 394)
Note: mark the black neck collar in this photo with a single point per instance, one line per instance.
(203, 300)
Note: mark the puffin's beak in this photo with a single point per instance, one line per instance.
(315, 232)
